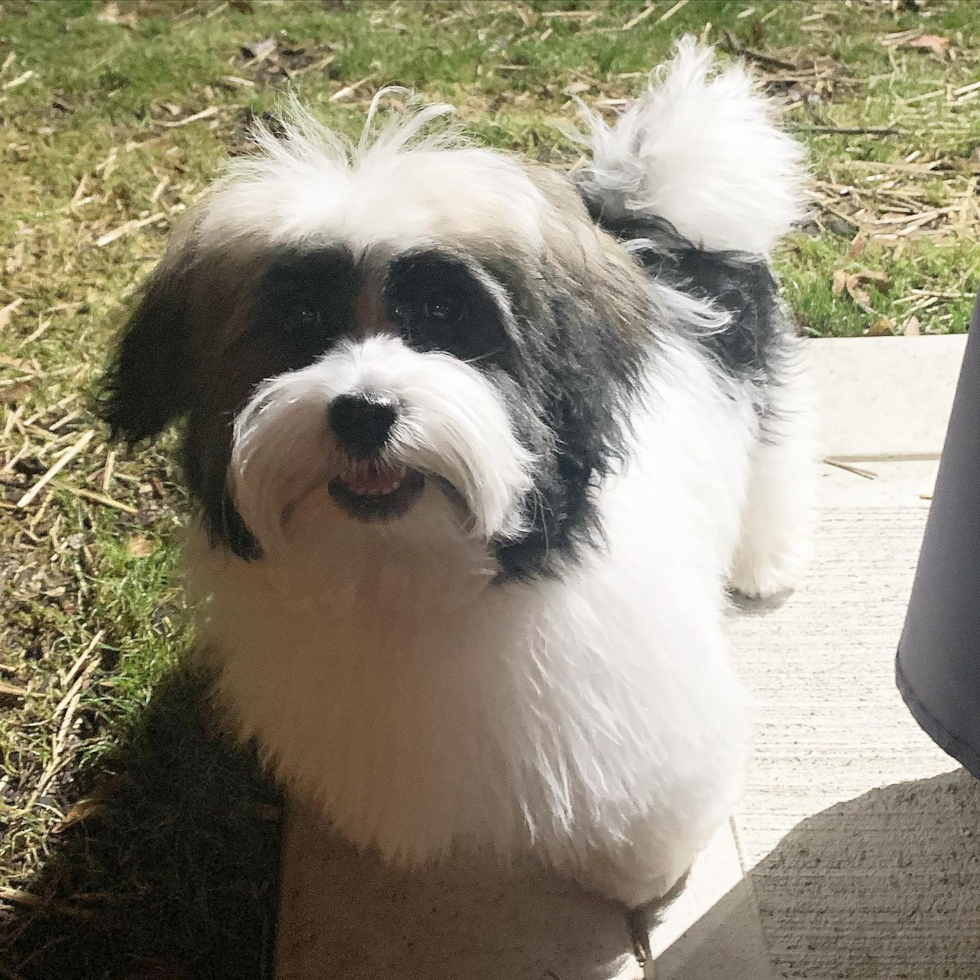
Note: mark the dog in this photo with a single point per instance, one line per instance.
(478, 448)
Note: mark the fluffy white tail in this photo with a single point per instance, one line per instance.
(700, 148)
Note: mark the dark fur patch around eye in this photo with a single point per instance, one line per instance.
(440, 302)
(205, 333)
(303, 304)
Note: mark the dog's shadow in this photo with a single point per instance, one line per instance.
(882, 886)
(753, 605)
(173, 873)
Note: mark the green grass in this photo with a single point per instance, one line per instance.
(172, 872)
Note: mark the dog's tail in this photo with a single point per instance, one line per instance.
(700, 149)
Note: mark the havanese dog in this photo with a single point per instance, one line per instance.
(478, 448)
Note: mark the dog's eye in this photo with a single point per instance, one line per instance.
(302, 319)
(443, 308)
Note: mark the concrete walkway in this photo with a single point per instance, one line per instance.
(856, 850)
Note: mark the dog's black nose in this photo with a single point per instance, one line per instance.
(361, 424)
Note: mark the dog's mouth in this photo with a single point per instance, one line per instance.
(372, 489)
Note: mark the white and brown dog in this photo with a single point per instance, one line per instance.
(477, 449)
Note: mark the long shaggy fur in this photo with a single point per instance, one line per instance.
(585, 424)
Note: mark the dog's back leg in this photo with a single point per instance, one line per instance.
(774, 545)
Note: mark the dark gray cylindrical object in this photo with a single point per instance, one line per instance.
(938, 663)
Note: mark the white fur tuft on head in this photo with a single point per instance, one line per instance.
(304, 139)
(701, 149)
(403, 181)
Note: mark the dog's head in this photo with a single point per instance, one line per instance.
(414, 338)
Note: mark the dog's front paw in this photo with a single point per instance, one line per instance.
(763, 577)
(763, 580)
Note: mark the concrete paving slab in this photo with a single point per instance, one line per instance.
(712, 931)
(885, 397)
(877, 483)
(858, 835)
(724, 943)
(716, 872)
(346, 916)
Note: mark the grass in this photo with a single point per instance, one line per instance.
(135, 842)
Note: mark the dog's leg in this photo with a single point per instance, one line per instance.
(774, 545)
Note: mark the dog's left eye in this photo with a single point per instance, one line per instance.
(443, 308)
(302, 319)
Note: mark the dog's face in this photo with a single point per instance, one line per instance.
(434, 343)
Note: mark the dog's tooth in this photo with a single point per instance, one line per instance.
(372, 478)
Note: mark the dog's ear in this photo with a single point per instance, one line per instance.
(148, 383)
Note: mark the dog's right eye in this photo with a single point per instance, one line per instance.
(443, 309)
